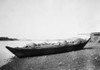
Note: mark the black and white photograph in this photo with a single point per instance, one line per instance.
(49, 34)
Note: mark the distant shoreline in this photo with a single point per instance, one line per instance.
(8, 39)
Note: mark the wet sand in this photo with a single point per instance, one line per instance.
(87, 59)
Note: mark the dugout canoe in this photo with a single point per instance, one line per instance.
(31, 52)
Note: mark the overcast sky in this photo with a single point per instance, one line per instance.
(48, 19)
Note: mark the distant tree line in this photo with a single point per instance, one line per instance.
(6, 39)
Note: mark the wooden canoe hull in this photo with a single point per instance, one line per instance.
(26, 52)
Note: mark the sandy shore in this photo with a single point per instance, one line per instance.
(87, 59)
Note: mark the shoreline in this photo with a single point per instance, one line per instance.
(6, 61)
